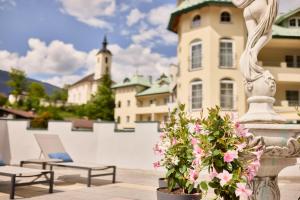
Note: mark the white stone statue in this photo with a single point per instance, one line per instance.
(259, 84)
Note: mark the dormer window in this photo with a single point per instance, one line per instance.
(196, 21)
(225, 17)
(294, 22)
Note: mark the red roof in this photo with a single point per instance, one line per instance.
(20, 113)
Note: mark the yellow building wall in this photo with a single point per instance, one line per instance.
(210, 32)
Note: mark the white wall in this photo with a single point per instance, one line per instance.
(103, 145)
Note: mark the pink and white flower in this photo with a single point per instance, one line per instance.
(198, 128)
(242, 190)
(194, 141)
(193, 175)
(241, 131)
(225, 177)
(174, 141)
(156, 165)
(241, 147)
(198, 152)
(158, 150)
(229, 156)
(213, 174)
(258, 154)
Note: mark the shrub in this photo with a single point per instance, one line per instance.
(217, 144)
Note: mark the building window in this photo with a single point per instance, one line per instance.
(128, 103)
(227, 94)
(196, 55)
(292, 61)
(225, 17)
(292, 96)
(166, 100)
(119, 104)
(119, 120)
(196, 21)
(106, 60)
(127, 119)
(226, 53)
(196, 95)
(149, 118)
(294, 22)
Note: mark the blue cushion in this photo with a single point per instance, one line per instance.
(2, 163)
(62, 156)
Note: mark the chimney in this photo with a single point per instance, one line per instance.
(150, 79)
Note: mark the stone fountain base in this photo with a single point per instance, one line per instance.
(282, 147)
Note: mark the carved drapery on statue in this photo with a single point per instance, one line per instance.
(260, 84)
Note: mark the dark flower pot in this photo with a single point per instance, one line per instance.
(162, 182)
(163, 194)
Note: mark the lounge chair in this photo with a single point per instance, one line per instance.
(20, 172)
(51, 145)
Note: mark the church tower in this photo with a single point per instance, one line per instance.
(104, 60)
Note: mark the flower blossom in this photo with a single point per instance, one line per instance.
(198, 152)
(174, 141)
(193, 175)
(229, 156)
(175, 160)
(252, 169)
(242, 190)
(241, 131)
(225, 177)
(213, 174)
(158, 150)
(194, 141)
(194, 128)
(258, 154)
(241, 147)
(156, 165)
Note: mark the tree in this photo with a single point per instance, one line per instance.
(102, 104)
(3, 100)
(59, 95)
(36, 92)
(17, 82)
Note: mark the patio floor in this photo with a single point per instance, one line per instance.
(132, 185)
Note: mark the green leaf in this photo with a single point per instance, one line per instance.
(190, 189)
(213, 184)
(219, 163)
(204, 186)
(216, 152)
(170, 171)
(211, 138)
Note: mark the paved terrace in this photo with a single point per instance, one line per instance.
(132, 185)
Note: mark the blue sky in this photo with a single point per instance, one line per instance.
(56, 40)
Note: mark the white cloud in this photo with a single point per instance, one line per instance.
(124, 7)
(286, 5)
(6, 4)
(91, 12)
(134, 17)
(61, 61)
(127, 61)
(156, 32)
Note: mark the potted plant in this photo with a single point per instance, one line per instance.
(227, 154)
(177, 157)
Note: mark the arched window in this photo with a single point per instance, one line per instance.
(196, 21)
(119, 120)
(226, 53)
(106, 60)
(225, 17)
(196, 95)
(294, 22)
(196, 54)
(119, 104)
(227, 94)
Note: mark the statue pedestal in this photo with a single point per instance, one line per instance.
(261, 111)
(282, 147)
